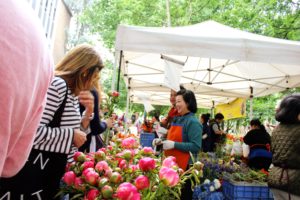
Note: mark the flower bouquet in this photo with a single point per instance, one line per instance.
(124, 171)
(111, 102)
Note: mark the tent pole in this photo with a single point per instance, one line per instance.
(251, 103)
(127, 106)
(119, 72)
(212, 109)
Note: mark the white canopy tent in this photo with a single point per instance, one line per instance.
(220, 63)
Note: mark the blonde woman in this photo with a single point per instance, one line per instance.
(60, 131)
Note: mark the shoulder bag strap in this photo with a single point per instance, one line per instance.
(58, 114)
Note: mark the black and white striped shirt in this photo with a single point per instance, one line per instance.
(58, 139)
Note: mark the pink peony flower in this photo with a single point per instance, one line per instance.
(147, 151)
(69, 177)
(142, 182)
(147, 164)
(168, 176)
(92, 194)
(129, 143)
(127, 191)
(170, 162)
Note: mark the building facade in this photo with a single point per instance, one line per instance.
(55, 17)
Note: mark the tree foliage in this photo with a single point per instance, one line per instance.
(275, 18)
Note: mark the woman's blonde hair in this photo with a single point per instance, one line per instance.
(80, 68)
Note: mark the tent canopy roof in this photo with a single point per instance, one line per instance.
(219, 63)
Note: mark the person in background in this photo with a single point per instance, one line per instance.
(284, 176)
(58, 135)
(206, 135)
(216, 131)
(155, 123)
(259, 142)
(26, 71)
(166, 122)
(184, 135)
(96, 127)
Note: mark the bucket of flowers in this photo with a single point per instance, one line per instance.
(125, 171)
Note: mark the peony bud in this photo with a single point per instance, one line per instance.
(115, 94)
(115, 177)
(147, 164)
(127, 154)
(79, 156)
(99, 155)
(69, 178)
(90, 176)
(122, 164)
(142, 182)
(102, 181)
(101, 166)
(86, 164)
(92, 194)
(107, 191)
(198, 165)
(79, 184)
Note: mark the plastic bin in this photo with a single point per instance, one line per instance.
(245, 191)
(146, 139)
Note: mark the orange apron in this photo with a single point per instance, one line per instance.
(182, 158)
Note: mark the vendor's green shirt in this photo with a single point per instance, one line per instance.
(192, 134)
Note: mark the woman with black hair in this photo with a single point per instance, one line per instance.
(206, 134)
(284, 177)
(259, 142)
(184, 135)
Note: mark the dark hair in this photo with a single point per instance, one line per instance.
(256, 122)
(205, 117)
(289, 109)
(219, 116)
(189, 98)
(156, 116)
(133, 118)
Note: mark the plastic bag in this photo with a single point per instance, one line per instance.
(237, 148)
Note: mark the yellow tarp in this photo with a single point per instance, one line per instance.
(234, 109)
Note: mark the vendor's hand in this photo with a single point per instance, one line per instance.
(156, 141)
(87, 100)
(168, 144)
(79, 138)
